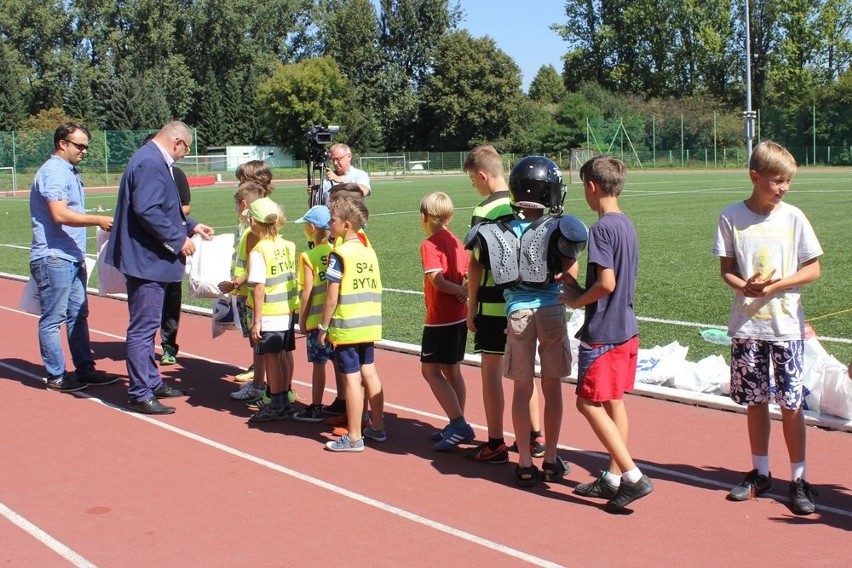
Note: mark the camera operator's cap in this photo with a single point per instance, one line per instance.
(319, 216)
(263, 210)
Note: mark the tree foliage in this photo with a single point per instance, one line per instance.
(399, 75)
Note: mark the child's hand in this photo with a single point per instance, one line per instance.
(471, 321)
(461, 294)
(255, 332)
(757, 285)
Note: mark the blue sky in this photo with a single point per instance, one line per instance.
(521, 29)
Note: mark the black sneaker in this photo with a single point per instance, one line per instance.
(753, 485)
(336, 408)
(802, 497)
(311, 413)
(600, 487)
(629, 492)
(98, 378)
(66, 384)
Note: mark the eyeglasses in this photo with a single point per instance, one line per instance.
(185, 143)
(81, 147)
(340, 158)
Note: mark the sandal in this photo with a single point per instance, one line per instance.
(526, 476)
(554, 471)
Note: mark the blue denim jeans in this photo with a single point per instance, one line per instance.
(62, 294)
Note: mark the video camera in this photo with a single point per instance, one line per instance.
(319, 137)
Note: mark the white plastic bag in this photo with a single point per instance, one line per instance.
(30, 299)
(711, 375)
(224, 315)
(660, 365)
(836, 390)
(110, 280)
(210, 265)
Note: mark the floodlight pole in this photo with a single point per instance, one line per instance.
(749, 115)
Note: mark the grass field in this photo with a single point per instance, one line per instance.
(679, 289)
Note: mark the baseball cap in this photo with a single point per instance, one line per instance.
(318, 216)
(263, 210)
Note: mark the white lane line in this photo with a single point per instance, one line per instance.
(353, 495)
(45, 538)
(688, 478)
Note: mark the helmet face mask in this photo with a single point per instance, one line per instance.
(536, 183)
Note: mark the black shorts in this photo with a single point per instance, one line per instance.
(271, 342)
(443, 344)
(490, 336)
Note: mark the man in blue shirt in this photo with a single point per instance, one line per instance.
(57, 261)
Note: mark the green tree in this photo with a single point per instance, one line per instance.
(13, 101)
(471, 94)
(546, 87)
(299, 95)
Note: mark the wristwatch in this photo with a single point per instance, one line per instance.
(322, 327)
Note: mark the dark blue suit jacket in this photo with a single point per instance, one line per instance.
(149, 228)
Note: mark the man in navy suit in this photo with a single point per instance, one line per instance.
(149, 244)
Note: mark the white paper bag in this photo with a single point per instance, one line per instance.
(836, 390)
(110, 280)
(210, 265)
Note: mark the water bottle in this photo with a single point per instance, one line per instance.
(717, 336)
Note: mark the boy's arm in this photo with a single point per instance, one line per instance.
(444, 286)
(575, 296)
(756, 286)
(331, 297)
(259, 293)
(474, 276)
(307, 281)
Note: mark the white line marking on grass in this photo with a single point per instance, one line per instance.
(44, 538)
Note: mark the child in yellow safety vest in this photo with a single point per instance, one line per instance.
(351, 320)
(272, 279)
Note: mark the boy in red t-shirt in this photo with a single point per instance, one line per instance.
(445, 265)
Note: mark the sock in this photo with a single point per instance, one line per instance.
(797, 470)
(278, 399)
(761, 464)
(612, 479)
(632, 476)
(494, 443)
(535, 434)
(458, 422)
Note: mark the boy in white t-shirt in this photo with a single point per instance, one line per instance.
(768, 250)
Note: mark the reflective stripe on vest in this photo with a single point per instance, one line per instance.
(357, 317)
(316, 260)
(240, 263)
(280, 286)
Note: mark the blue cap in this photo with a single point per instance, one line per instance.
(319, 216)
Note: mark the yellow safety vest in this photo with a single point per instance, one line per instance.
(241, 263)
(280, 287)
(357, 317)
(315, 260)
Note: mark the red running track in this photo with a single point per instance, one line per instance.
(84, 482)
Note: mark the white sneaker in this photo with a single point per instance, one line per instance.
(248, 392)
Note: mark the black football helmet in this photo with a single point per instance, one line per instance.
(536, 180)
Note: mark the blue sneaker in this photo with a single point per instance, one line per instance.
(455, 436)
(345, 444)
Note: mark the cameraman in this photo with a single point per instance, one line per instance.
(344, 172)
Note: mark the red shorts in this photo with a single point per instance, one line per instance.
(606, 371)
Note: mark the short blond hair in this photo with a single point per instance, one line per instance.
(770, 157)
(352, 210)
(438, 208)
(485, 158)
